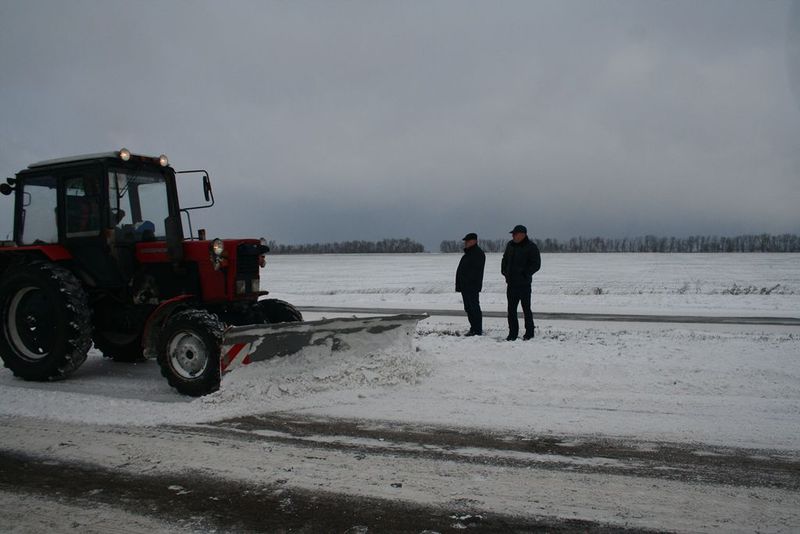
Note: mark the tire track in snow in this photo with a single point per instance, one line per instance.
(696, 463)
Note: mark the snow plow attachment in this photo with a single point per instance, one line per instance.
(243, 345)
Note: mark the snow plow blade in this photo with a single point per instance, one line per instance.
(243, 345)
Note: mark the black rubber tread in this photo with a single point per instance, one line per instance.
(278, 311)
(119, 352)
(207, 326)
(73, 328)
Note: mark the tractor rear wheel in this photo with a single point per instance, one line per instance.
(189, 352)
(278, 311)
(46, 321)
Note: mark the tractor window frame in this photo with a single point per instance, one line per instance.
(95, 221)
(21, 204)
(138, 230)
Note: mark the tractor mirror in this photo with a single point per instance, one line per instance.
(11, 181)
(6, 189)
(207, 187)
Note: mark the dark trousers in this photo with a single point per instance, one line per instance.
(517, 295)
(472, 305)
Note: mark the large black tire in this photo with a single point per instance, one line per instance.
(120, 347)
(189, 352)
(278, 311)
(118, 329)
(45, 321)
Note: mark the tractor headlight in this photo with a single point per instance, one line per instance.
(215, 251)
(125, 154)
(163, 160)
(241, 287)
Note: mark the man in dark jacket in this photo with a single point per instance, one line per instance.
(520, 260)
(469, 282)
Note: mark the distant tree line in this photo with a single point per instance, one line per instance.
(649, 243)
(384, 246)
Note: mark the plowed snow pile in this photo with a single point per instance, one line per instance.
(316, 370)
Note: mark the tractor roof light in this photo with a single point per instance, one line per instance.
(125, 154)
(163, 160)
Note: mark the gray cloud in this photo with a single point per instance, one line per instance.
(360, 120)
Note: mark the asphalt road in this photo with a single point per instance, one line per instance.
(694, 319)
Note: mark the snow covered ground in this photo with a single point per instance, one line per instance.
(725, 385)
(701, 284)
(645, 425)
(717, 385)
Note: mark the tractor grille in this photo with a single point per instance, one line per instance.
(247, 269)
(247, 262)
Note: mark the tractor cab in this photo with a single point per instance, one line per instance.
(98, 207)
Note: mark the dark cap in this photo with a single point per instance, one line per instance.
(470, 236)
(519, 229)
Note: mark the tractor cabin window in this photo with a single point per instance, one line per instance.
(138, 205)
(82, 206)
(39, 218)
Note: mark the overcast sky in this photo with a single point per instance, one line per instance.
(324, 121)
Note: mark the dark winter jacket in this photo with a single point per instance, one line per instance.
(520, 261)
(469, 275)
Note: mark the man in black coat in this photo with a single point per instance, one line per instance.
(520, 260)
(469, 282)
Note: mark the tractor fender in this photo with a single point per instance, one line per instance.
(14, 254)
(51, 252)
(156, 320)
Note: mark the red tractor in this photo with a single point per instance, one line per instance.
(99, 255)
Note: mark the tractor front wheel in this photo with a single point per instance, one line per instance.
(46, 321)
(278, 311)
(189, 352)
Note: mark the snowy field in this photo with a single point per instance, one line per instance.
(700, 284)
(723, 385)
